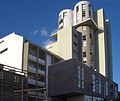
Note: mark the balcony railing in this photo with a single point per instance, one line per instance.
(31, 93)
(42, 84)
(41, 61)
(32, 69)
(31, 81)
(33, 58)
(41, 72)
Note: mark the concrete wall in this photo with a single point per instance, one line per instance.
(13, 44)
(101, 42)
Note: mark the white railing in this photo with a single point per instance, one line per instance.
(31, 81)
(31, 57)
(41, 72)
(42, 84)
(31, 93)
(41, 61)
(32, 69)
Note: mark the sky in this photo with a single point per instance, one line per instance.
(37, 19)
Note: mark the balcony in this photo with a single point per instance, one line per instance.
(32, 69)
(33, 58)
(41, 72)
(42, 84)
(41, 61)
(31, 93)
(31, 81)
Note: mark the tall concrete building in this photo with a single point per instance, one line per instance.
(32, 60)
(84, 34)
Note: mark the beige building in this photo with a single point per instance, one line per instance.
(84, 34)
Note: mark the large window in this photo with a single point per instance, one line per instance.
(106, 88)
(84, 54)
(83, 10)
(77, 8)
(82, 78)
(99, 85)
(93, 83)
(90, 10)
(84, 37)
(79, 77)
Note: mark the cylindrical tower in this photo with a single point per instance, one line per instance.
(82, 11)
(65, 18)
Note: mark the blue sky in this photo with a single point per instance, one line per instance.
(37, 19)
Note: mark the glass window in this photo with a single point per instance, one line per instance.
(93, 82)
(106, 87)
(90, 35)
(75, 43)
(77, 8)
(90, 9)
(75, 35)
(3, 50)
(1, 41)
(99, 85)
(79, 77)
(84, 54)
(83, 10)
(82, 78)
(16, 78)
(84, 37)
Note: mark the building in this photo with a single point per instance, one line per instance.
(77, 67)
(71, 80)
(16, 51)
(87, 32)
(10, 80)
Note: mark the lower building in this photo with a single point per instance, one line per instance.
(73, 81)
(10, 81)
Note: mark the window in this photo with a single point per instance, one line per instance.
(16, 78)
(75, 35)
(106, 88)
(90, 35)
(84, 54)
(61, 21)
(1, 41)
(90, 53)
(3, 50)
(79, 77)
(99, 85)
(1, 75)
(82, 78)
(75, 43)
(83, 10)
(90, 8)
(77, 8)
(84, 37)
(64, 14)
(93, 83)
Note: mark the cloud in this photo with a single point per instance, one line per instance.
(36, 32)
(47, 42)
(44, 32)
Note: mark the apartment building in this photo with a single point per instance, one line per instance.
(31, 59)
(84, 34)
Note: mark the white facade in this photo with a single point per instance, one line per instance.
(82, 11)
(11, 49)
(65, 18)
